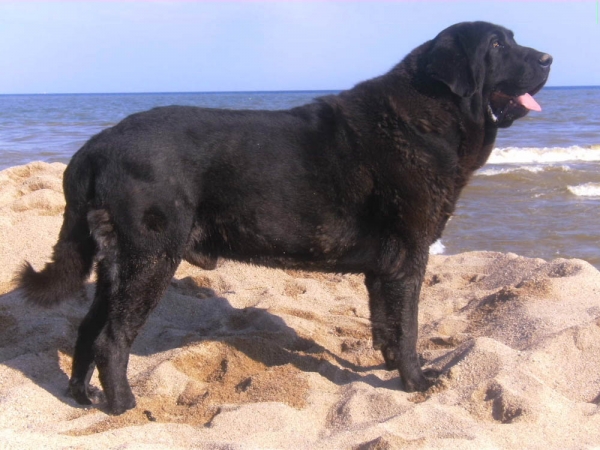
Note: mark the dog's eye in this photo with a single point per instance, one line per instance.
(496, 44)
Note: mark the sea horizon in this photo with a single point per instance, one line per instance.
(237, 92)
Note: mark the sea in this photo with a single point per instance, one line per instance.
(537, 196)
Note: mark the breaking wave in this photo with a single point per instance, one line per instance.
(437, 248)
(545, 155)
(531, 169)
(585, 190)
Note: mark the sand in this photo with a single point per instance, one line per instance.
(247, 357)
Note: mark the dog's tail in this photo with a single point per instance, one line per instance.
(73, 255)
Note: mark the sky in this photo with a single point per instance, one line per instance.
(195, 46)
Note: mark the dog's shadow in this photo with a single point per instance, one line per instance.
(39, 342)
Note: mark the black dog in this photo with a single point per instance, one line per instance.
(360, 182)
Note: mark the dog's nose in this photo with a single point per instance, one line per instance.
(545, 60)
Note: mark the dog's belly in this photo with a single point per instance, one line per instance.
(307, 249)
(350, 263)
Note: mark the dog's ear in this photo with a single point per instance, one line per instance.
(453, 60)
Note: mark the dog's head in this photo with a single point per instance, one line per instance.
(481, 59)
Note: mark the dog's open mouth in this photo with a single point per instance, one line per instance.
(507, 108)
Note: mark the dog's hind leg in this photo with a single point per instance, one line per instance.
(83, 357)
(103, 233)
(132, 277)
(142, 282)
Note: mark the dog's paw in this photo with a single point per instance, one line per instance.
(420, 382)
(95, 395)
(121, 405)
(431, 374)
(86, 395)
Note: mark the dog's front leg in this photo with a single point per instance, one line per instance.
(394, 301)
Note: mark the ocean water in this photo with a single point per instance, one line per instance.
(538, 195)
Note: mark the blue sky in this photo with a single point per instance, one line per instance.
(78, 47)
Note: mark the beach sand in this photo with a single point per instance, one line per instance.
(248, 357)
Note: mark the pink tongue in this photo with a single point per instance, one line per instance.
(528, 102)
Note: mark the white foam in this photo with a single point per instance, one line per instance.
(586, 190)
(437, 248)
(492, 172)
(531, 169)
(535, 155)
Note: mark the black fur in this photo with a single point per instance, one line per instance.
(361, 182)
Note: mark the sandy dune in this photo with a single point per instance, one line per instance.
(247, 357)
